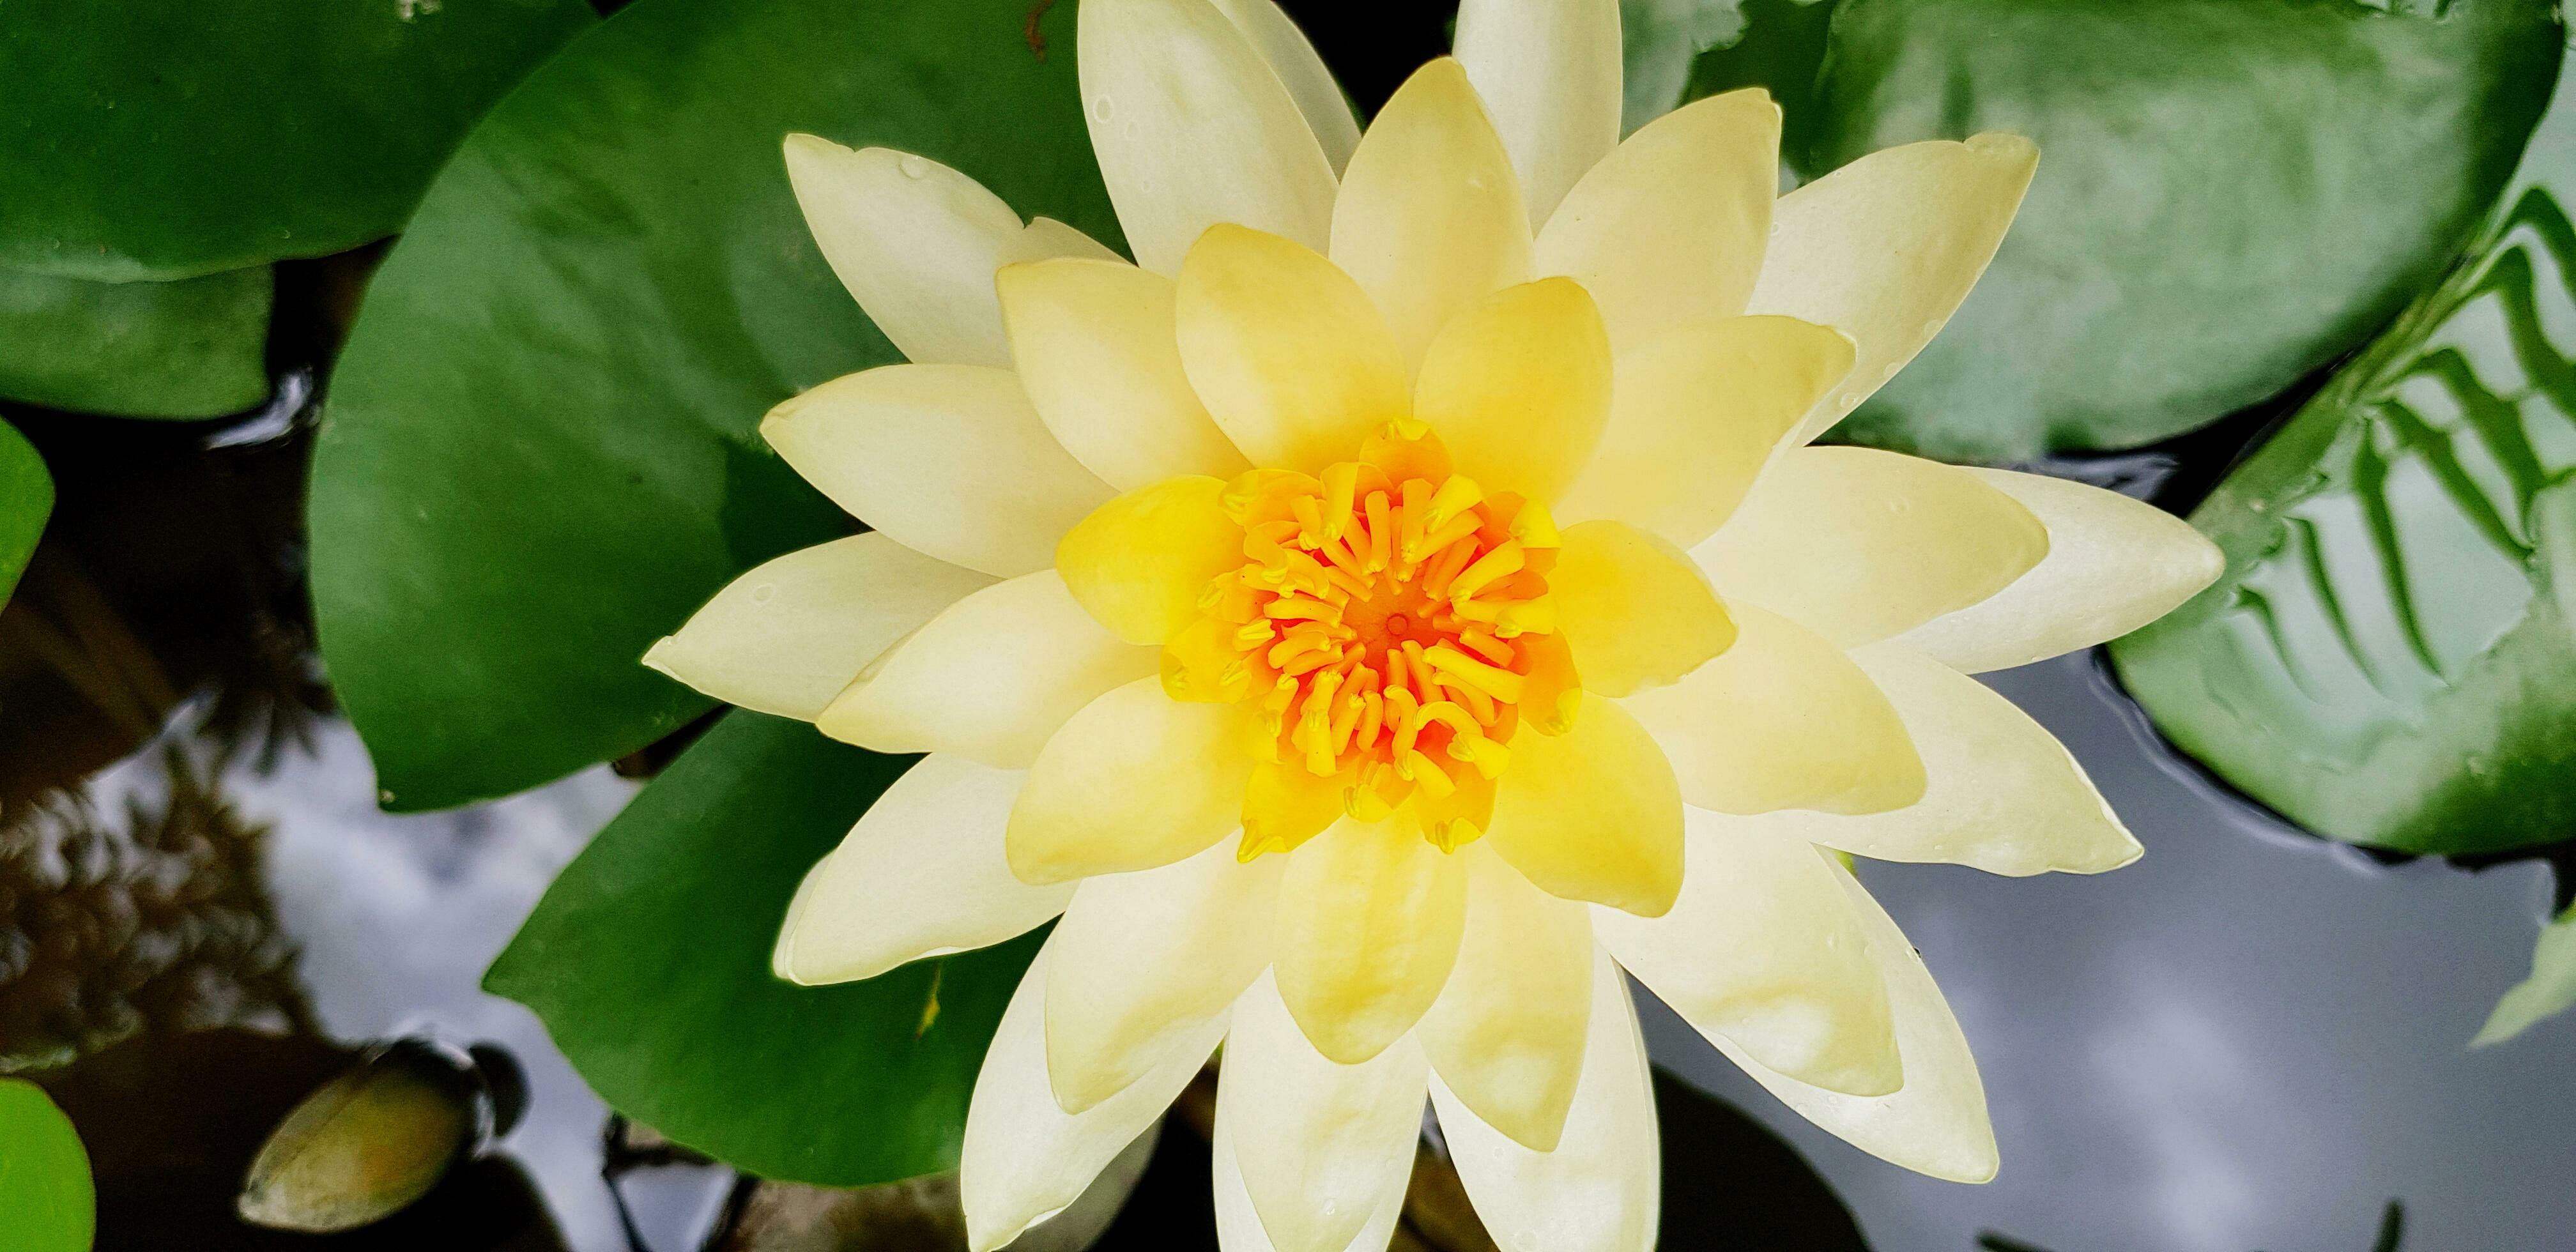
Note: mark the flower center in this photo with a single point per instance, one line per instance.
(1392, 621)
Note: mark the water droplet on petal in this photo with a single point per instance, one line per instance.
(1934, 326)
(1890, 372)
(1101, 109)
(913, 166)
(1848, 399)
(762, 593)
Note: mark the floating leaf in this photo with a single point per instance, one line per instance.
(194, 348)
(2230, 193)
(26, 500)
(2549, 991)
(649, 961)
(541, 450)
(161, 141)
(46, 1200)
(2388, 659)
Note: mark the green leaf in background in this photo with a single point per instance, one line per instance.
(2549, 991)
(161, 141)
(26, 500)
(193, 348)
(649, 961)
(2230, 193)
(2388, 659)
(541, 452)
(46, 1200)
(1679, 50)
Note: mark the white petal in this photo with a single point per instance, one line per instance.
(1885, 248)
(1238, 1225)
(1936, 1124)
(991, 678)
(1193, 128)
(1024, 1158)
(2001, 793)
(1144, 956)
(1318, 1143)
(917, 243)
(2114, 564)
(1601, 1190)
(1549, 72)
(788, 635)
(1301, 70)
(921, 874)
(949, 460)
(1764, 950)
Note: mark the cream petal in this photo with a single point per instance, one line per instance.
(1782, 719)
(1143, 957)
(1601, 1190)
(1671, 225)
(1093, 342)
(1694, 415)
(1885, 248)
(1302, 71)
(1024, 1158)
(788, 635)
(1508, 1030)
(1193, 128)
(1134, 781)
(1764, 950)
(2001, 793)
(1936, 1123)
(1318, 1143)
(991, 678)
(1861, 545)
(1047, 238)
(1238, 1224)
(1368, 926)
(1549, 71)
(920, 875)
(947, 460)
(1634, 609)
(2114, 564)
(1289, 354)
(1429, 220)
(917, 243)
(1518, 384)
(1593, 814)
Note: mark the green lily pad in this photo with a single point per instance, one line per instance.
(26, 500)
(2389, 659)
(541, 453)
(45, 1189)
(194, 348)
(649, 961)
(162, 141)
(2231, 193)
(2549, 991)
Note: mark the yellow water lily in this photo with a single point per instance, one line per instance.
(1405, 598)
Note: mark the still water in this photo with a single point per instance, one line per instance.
(2251, 1039)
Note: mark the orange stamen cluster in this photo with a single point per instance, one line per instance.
(1392, 621)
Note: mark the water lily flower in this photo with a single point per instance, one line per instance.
(1404, 599)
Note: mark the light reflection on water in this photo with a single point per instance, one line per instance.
(2249, 1039)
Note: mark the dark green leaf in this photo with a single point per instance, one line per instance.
(2230, 193)
(649, 961)
(26, 500)
(194, 348)
(2388, 658)
(1777, 45)
(46, 1203)
(169, 141)
(541, 452)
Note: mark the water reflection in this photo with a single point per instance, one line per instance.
(2250, 1039)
